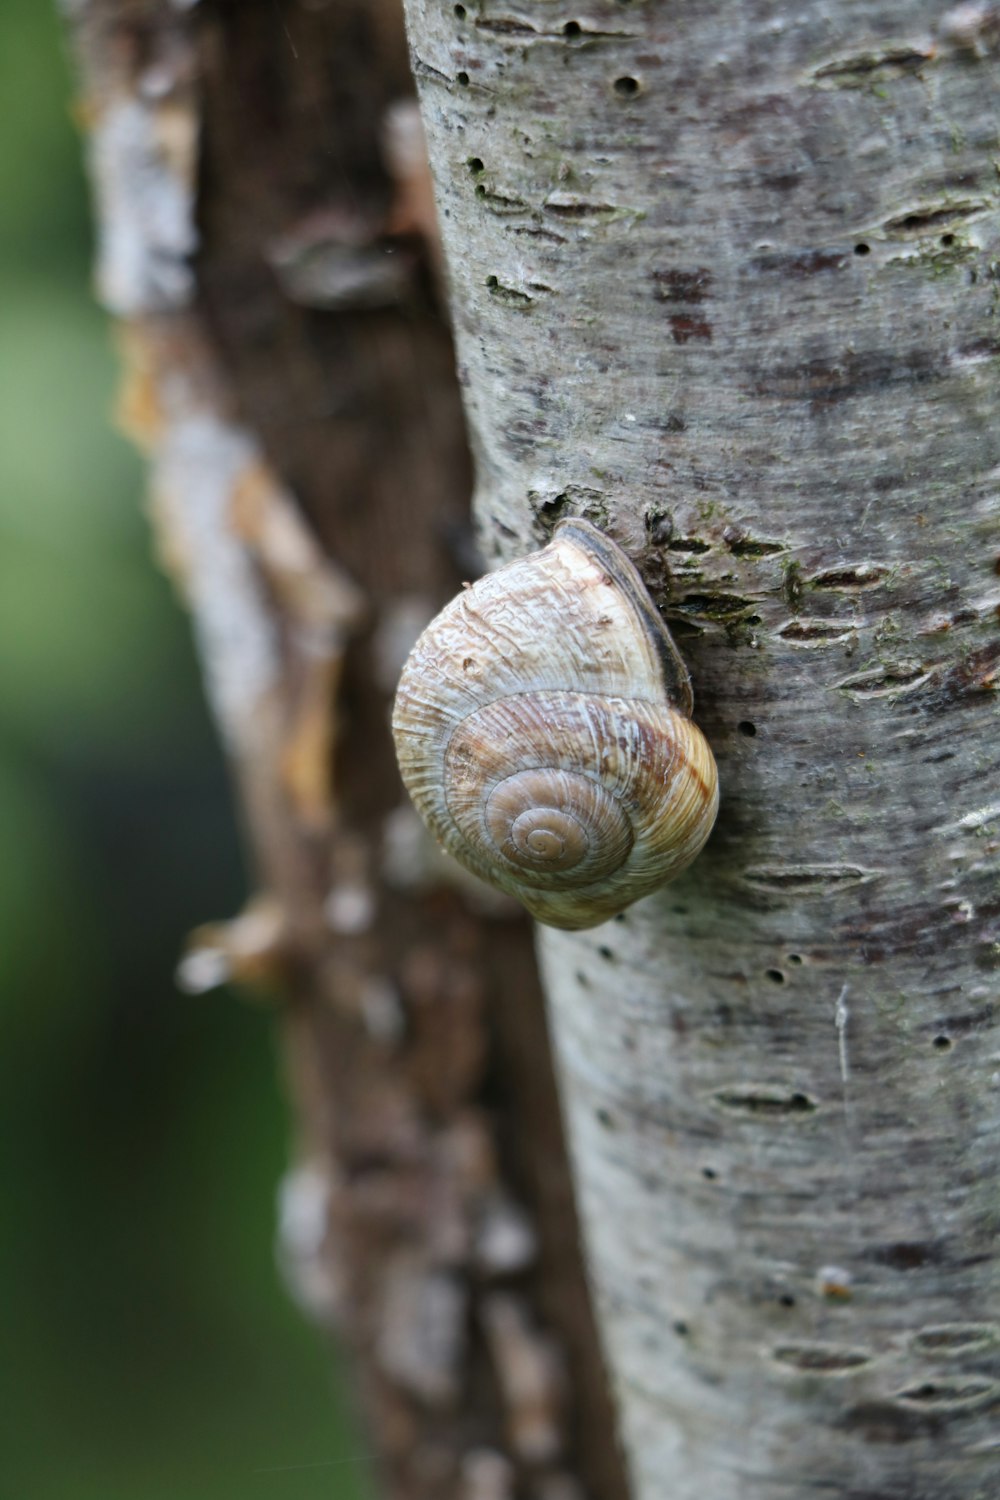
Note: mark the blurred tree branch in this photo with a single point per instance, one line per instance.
(266, 244)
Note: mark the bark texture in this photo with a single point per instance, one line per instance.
(724, 279)
(266, 242)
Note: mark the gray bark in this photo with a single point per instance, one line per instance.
(724, 280)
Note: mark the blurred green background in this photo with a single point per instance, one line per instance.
(148, 1348)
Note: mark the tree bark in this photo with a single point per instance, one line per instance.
(724, 280)
(266, 242)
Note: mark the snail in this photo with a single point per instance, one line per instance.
(543, 730)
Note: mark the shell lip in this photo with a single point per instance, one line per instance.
(609, 556)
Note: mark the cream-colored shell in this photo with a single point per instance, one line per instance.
(542, 726)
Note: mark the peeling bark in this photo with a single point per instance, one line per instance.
(724, 281)
(266, 242)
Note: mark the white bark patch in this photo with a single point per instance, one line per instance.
(143, 164)
(305, 1198)
(422, 1338)
(531, 1377)
(980, 817)
(195, 475)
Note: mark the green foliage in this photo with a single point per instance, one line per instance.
(149, 1350)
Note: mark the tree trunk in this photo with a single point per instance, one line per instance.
(724, 281)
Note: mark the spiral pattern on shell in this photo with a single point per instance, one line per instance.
(542, 729)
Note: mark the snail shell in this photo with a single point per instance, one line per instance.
(542, 726)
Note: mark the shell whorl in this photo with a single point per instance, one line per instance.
(542, 729)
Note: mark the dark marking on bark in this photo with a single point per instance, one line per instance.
(576, 31)
(967, 1023)
(886, 682)
(712, 606)
(781, 182)
(580, 208)
(505, 26)
(745, 114)
(742, 545)
(969, 680)
(686, 329)
(659, 527)
(909, 1255)
(509, 296)
(765, 1100)
(682, 286)
(820, 1359)
(885, 1422)
(919, 221)
(570, 31)
(537, 232)
(857, 576)
(500, 203)
(806, 632)
(954, 1340)
(805, 880)
(952, 1393)
(795, 265)
(424, 70)
(977, 349)
(852, 374)
(873, 63)
(522, 435)
(691, 544)
(884, 484)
